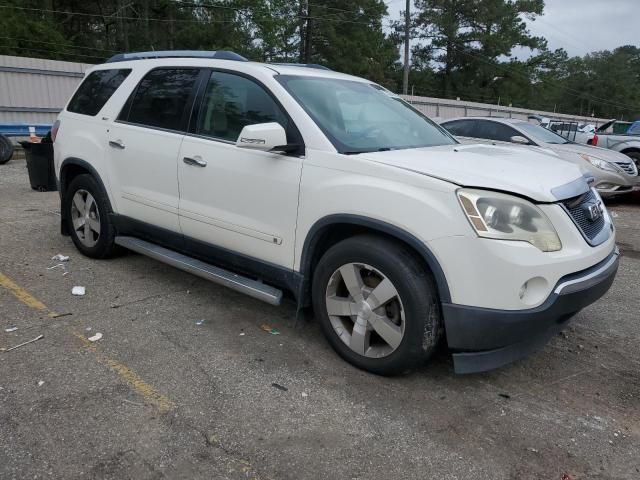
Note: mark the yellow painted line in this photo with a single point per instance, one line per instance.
(141, 387)
(21, 294)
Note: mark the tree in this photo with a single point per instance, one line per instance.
(467, 38)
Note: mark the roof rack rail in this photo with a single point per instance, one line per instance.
(211, 54)
(306, 65)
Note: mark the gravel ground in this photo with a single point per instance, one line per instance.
(181, 383)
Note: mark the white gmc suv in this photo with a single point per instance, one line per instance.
(273, 178)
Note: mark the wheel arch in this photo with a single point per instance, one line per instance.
(332, 229)
(70, 168)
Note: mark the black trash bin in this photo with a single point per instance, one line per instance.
(42, 175)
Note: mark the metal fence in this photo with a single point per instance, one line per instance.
(445, 109)
(34, 90)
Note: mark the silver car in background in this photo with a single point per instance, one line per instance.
(614, 173)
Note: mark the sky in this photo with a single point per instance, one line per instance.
(578, 26)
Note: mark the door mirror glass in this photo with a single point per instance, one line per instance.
(263, 136)
(519, 139)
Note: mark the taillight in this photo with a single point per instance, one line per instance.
(594, 141)
(54, 130)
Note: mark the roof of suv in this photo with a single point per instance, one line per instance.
(511, 121)
(227, 60)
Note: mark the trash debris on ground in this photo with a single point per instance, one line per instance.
(60, 258)
(279, 387)
(305, 394)
(566, 476)
(200, 322)
(613, 214)
(270, 329)
(10, 329)
(242, 334)
(88, 329)
(40, 383)
(65, 273)
(78, 291)
(59, 265)
(23, 344)
(95, 338)
(58, 315)
(505, 395)
(531, 449)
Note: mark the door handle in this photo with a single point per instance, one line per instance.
(116, 144)
(195, 161)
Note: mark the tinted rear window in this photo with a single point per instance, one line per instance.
(161, 98)
(96, 89)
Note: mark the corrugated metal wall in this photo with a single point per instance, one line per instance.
(33, 90)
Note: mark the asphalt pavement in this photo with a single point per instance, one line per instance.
(181, 384)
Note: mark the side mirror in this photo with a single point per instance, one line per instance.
(263, 136)
(520, 140)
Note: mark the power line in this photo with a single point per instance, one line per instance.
(26, 40)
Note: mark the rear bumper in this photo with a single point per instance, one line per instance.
(483, 338)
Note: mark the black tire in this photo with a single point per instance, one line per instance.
(635, 156)
(105, 246)
(415, 288)
(6, 149)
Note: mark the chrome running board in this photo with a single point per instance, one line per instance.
(245, 285)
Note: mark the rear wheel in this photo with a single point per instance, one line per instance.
(377, 305)
(87, 211)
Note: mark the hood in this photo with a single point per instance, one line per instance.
(541, 177)
(602, 153)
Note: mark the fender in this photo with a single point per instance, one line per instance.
(62, 186)
(313, 236)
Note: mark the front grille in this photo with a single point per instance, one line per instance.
(576, 207)
(629, 168)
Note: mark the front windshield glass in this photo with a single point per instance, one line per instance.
(360, 117)
(542, 134)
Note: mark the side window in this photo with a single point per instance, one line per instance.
(95, 90)
(232, 102)
(462, 128)
(162, 98)
(496, 131)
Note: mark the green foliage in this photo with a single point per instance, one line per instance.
(463, 48)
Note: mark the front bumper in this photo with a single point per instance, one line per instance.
(483, 339)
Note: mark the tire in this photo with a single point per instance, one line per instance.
(98, 240)
(6, 149)
(635, 156)
(413, 313)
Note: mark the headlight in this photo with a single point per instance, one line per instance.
(505, 217)
(599, 163)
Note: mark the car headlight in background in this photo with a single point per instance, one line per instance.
(505, 217)
(599, 163)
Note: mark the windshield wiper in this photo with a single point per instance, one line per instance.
(356, 152)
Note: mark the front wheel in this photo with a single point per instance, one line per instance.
(377, 304)
(635, 156)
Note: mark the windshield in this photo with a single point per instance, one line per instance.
(541, 133)
(360, 117)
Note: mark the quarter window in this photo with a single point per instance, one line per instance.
(162, 98)
(462, 128)
(232, 102)
(96, 90)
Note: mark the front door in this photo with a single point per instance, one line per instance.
(144, 144)
(235, 198)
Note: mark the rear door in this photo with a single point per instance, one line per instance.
(239, 199)
(144, 143)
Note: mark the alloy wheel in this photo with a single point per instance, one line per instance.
(365, 310)
(85, 218)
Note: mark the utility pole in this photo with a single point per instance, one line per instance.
(301, 18)
(407, 25)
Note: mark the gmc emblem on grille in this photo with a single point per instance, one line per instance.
(594, 211)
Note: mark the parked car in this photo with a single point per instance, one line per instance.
(275, 179)
(613, 173)
(627, 143)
